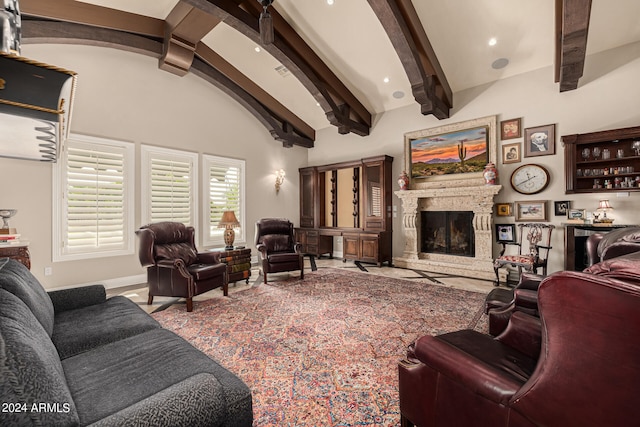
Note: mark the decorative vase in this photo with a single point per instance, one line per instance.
(490, 174)
(403, 180)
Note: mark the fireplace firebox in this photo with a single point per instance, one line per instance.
(447, 232)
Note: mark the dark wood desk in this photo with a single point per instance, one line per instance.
(575, 239)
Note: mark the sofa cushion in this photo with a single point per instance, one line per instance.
(622, 268)
(30, 370)
(17, 279)
(82, 329)
(108, 379)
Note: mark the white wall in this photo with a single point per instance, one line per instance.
(125, 96)
(608, 98)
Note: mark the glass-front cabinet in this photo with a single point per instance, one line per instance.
(349, 199)
(605, 161)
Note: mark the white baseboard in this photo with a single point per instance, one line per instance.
(118, 282)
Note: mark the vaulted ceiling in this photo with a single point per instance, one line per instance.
(341, 62)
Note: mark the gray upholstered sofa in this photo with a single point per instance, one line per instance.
(74, 357)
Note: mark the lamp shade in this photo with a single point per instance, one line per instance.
(228, 220)
(604, 205)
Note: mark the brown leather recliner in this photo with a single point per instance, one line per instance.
(277, 248)
(604, 246)
(586, 372)
(174, 266)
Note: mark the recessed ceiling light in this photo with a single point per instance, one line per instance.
(329, 2)
(258, 49)
(386, 80)
(398, 94)
(493, 41)
(499, 63)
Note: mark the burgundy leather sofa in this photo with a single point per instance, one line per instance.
(577, 364)
(604, 246)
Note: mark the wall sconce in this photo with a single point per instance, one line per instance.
(603, 208)
(279, 179)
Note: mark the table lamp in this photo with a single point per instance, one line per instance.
(603, 208)
(228, 222)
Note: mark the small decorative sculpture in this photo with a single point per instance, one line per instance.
(5, 214)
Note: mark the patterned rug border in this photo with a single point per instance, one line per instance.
(321, 351)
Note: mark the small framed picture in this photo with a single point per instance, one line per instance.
(510, 129)
(577, 214)
(511, 153)
(540, 141)
(505, 232)
(503, 209)
(562, 207)
(531, 210)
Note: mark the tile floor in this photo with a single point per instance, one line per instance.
(139, 293)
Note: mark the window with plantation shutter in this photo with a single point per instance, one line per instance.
(223, 187)
(169, 185)
(94, 179)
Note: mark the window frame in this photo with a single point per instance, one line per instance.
(149, 153)
(217, 239)
(60, 198)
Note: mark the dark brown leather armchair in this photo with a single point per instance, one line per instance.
(277, 248)
(586, 372)
(604, 246)
(174, 266)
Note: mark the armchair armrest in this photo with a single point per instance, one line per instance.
(208, 258)
(71, 299)
(297, 246)
(262, 250)
(524, 333)
(530, 281)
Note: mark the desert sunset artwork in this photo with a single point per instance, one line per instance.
(463, 151)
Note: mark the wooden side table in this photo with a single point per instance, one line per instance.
(19, 252)
(238, 263)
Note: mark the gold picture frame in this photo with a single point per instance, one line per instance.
(504, 209)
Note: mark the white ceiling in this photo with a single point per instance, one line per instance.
(350, 39)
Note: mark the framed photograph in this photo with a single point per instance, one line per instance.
(505, 232)
(458, 151)
(561, 207)
(503, 209)
(511, 153)
(540, 141)
(535, 210)
(510, 129)
(577, 214)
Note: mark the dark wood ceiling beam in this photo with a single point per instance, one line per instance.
(572, 30)
(294, 53)
(185, 26)
(284, 126)
(428, 82)
(97, 16)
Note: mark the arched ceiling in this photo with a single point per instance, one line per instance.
(340, 64)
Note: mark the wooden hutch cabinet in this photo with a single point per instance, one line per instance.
(605, 161)
(349, 199)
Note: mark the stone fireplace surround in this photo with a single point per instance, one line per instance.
(475, 198)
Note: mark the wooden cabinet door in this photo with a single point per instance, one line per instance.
(350, 245)
(369, 247)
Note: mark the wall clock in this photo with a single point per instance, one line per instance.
(530, 179)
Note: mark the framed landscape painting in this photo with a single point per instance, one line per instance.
(451, 150)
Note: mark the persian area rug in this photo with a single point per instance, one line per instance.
(323, 351)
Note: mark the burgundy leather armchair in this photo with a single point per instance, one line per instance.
(174, 266)
(585, 373)
(277, 248)
(604, 246)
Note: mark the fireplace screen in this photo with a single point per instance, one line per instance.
(447, 233)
